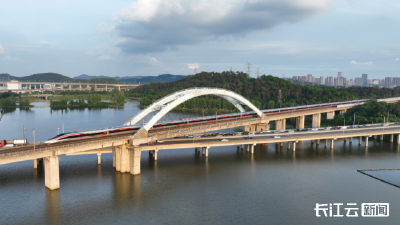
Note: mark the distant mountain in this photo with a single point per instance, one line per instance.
(42, 77)
(88, 77)
(55, 77)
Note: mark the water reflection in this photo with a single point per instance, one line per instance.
(53, 206)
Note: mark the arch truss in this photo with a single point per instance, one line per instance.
(171, 101)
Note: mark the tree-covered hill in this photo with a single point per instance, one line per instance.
(263, 92)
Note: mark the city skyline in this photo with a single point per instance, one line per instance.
(136, 38)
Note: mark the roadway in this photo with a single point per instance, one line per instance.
(270, 137)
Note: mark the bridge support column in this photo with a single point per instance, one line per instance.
(207, 151)
(398, 139)
(134, 155)
(118, 158)
(375, 137)
(155, 155)
(113, 153)
(332, 144)
(318, 141)
(360, 140)
(350, 139)
(330, 115)
(35, 163)
(343, 111)
(366, 141)
(280, 124)
(98, 158)
(294, 146)
(52, 172)
(125, 160)
(382, 137)
(391, 138)
(316, 120)
(326, 142)
(252, 148)
(300, 122)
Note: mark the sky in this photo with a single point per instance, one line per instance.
(151, 37)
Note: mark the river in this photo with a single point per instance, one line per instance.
(273, 186)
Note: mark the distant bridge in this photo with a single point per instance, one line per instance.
(27, 86)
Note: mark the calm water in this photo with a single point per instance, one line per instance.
(230, 187)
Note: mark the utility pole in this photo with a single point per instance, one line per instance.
(248, 68)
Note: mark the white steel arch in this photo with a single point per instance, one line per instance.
(177, 98)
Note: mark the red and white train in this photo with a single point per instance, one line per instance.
(132, 128)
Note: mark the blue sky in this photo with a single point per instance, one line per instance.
(151, 37)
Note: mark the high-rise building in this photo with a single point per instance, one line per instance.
(388, 82)
(340, 80)
(330, 81)
(365, 79)
(396, 81)
(322, 80)
(359, 81)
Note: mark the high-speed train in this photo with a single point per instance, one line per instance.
(132, 128)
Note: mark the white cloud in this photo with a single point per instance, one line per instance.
(159, 25)
(360, 63)
(104, 28)
(397, 59)
(44, 43)
(2, 50)
(193, 66)
(104, 57)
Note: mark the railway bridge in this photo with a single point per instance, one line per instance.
(127, 148)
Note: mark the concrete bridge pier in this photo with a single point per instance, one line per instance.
(252, 148)
(351, 140)
(280, 124)
(99, 158)
(326, 143)
(316, 120)
(318, 141)
(366, 141)
(155, 154)
(124, 158)
(134, 155)
(398, 139)
(360, 140)
(35, 163)
(330, 115)
(117, 158)
(52, 172)
(381, 137)
(113, 153)
(391, 138)
(294, 145)
(332, 143)
(300, 122)
(375, 137)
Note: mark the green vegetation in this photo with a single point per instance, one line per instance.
(371, 111)
(262, 92)
(115, 98)
(10, 99)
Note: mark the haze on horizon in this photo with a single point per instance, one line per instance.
(150, 37)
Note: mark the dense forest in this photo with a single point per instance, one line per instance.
(265, 92)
